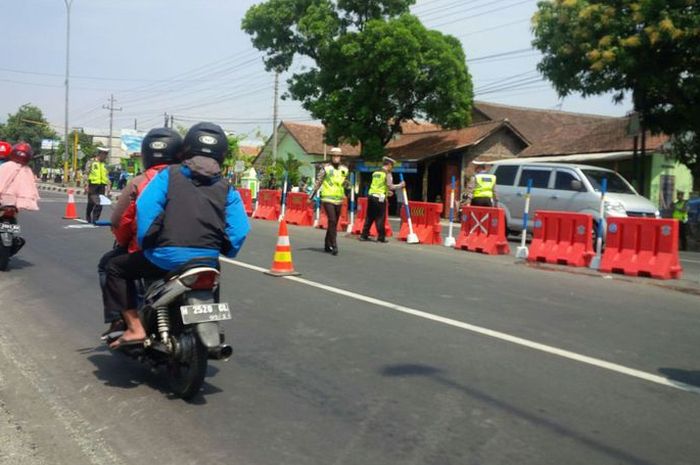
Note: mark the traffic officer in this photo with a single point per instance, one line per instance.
(332, 180)
(680, 213)
(481, 190)
(97, 184)
(379, 191)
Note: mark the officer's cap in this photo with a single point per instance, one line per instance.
(386, 160)
(336, 152)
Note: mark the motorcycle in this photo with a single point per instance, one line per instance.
(10, 241)
(181, 316)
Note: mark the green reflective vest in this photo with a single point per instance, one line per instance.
(333, 187)
(98, 173)
(378, 186)
(679, 211)
(483, 186)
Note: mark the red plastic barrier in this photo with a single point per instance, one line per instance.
(299, 211)
(342, 222)
(360, 219)
(562, 238)
(269, 205)
(642, 247)
(483, 230)
(425, 217)
(247, 198)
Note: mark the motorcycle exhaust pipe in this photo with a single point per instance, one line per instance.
(222, 352)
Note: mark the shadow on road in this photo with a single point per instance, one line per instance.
(18, 264)
(437, 375)
(120, 371)
(312, 249)
(684, 376)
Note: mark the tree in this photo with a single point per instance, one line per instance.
(649, 49)
(376, 66)
(289, 166)
(85, 145)
(28, 125)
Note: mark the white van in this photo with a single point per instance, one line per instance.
(565, 187)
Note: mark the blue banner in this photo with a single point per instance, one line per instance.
(399, 167)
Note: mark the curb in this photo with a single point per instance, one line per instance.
(114, 196)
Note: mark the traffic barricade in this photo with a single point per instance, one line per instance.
(247, 198)
(562, 238)
(642, 247)
(269, 205)
(342, 221)
(483, 230)
(299, 211)
(360, 219)
(425, 217)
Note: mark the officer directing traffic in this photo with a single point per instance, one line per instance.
(332, 180)
(98, 184)
(680, 213)
(379, 191)
(481, 190)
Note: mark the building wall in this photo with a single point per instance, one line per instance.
(661, 165)
(288, 145)
(498, 146)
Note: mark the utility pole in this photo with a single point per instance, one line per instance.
(274, 116)
(65, 121)
(172, 121)
(136, 125)
(111, 121)
(165, 119)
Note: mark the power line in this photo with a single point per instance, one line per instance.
(495, 10)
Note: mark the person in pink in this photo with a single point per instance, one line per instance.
(17, 181)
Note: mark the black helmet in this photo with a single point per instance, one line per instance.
(161, 146)
(206, 139)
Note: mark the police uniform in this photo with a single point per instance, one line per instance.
(98, 180)
(332, 197)
(680, 213)
(376, 201)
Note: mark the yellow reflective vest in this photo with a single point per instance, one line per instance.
(378, 186)
(98, 173)
(483, 186)
(333, 187)
(679, 211)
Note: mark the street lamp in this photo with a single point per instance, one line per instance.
(65, 122)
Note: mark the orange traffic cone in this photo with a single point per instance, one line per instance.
(71, 214)
(282, 261)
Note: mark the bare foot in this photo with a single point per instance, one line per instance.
(129, 337)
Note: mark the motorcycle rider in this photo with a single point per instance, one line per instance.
(188, 211)
(160, 147)
(18, 185)
(5, 149)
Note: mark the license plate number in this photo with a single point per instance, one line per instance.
(203, 313)
(9, 228)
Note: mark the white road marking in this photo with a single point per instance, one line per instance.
(80, 226)
(689, 261)
(488, 332)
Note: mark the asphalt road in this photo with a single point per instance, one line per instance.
(386, 354)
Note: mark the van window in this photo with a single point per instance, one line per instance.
(616, 184)
(505, 175)
(540, 177)
(563, 180)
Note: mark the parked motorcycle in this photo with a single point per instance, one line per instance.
(10, 241)
(181, 316)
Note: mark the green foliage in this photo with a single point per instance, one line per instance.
(291, 167)
(85, 145)
(28, 125)
(647, 48)
(375, 66)
(234, 151)
(686, 149)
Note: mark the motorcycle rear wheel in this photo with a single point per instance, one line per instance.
(186, 373)
(5, 253)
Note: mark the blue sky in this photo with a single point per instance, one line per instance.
(190, 59)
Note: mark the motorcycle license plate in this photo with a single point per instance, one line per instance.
(203, 313)
(9, 228)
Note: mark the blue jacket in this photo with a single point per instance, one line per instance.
(150, 209)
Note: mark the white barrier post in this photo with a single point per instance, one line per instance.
(352, 203)
(450, 240)
(284, 199)
(522, 252)
(412, 238)
(595, 263)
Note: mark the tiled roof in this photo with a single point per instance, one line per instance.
(310, 136)
(249, 150)
(554, 132)
(424, 145)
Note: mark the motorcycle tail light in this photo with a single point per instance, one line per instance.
(201, 281)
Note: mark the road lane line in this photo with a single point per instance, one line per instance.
(689, 261)
(643, 375)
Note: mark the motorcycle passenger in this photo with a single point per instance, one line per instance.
(18, 185)
(160, 147)
(5, 149)
(188, 211)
